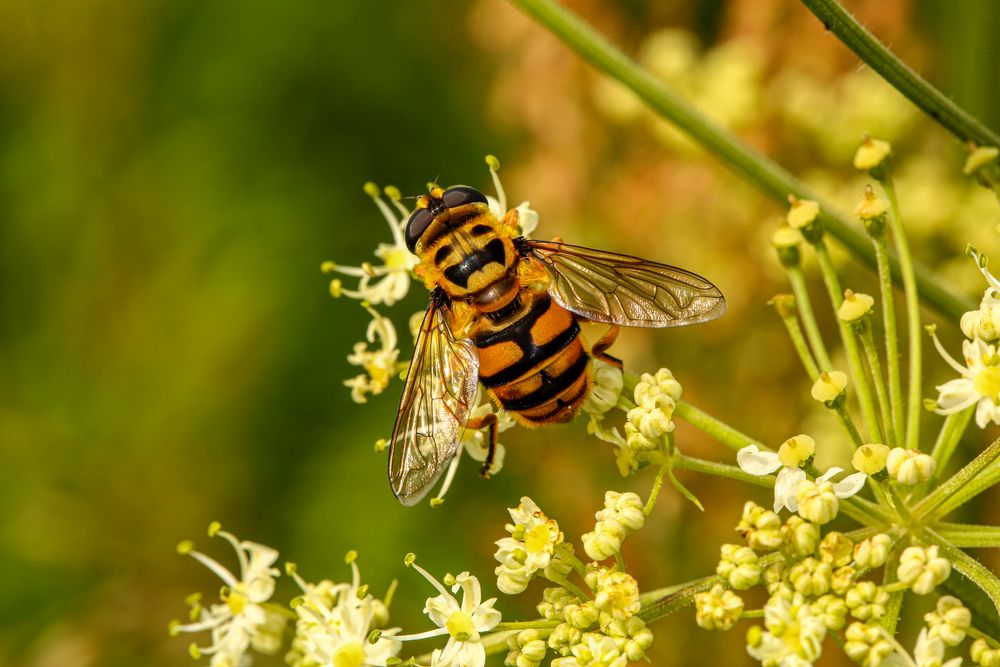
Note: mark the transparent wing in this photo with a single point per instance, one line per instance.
(619, 289)
(440, 391)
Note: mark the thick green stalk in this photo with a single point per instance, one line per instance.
(721, 431)
(933, 505)
(869, 414)
(951, 433)
(873, 53)
(970, 536)
(891, 334)
(989, 477)
(913, 405)
(755, 168)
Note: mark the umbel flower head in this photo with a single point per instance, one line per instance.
(241, 619)
(380, 364)
(530, 548)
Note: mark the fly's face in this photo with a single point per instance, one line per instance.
(438, 211)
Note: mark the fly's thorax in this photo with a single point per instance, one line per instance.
(473, 260)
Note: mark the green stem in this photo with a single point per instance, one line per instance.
(654, 493)
(868, 412)
(802, 349)
(986, 479)
(889, 577)
(955, 487)
(914, 404)
(755, 168)
(891, 334)
(975, 571)
(721, 431)
(804, 305)
(881, 390)
(949, 437)
(970, 536)
(525, 625)
(875, 54)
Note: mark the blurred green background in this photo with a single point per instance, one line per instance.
(173, 173)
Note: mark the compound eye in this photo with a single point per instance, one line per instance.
(461, 195)
(416, 226)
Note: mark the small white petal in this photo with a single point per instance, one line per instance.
(756, 462)
(828, 474)
(850, 485)
(785, 488)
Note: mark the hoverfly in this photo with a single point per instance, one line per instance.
(504, 312)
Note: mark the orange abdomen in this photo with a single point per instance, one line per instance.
(534, 364)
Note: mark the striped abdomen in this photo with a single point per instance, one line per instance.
(534, 363)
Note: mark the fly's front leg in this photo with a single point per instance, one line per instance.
(599, 351)
(490, 421)
(511, 219)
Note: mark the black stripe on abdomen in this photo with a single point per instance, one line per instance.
(550, 388)
(531, 356)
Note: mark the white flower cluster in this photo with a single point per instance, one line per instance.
(380, 364)
(597, 621)
(979, 379)
(656, 396)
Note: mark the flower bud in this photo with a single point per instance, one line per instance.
(785, 305)
(873, 552)
(717, 609)
(855, 306)
(817, 502)
(832, 610)
(829, 386)
(761, 528)
(909, 466)
(740, 566)
(802, 213)
(949, 621)
(867, 601)
(872, 208)
(811, 577)
(582, 615)
(982, 163)
(922, 569)
(836, 549)
(871, 154)
(867, 644)
(870, 458)
(800, 537)
(564, 637)
(983, 654)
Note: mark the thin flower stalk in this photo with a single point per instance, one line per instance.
(956, 487)
(951, 433)
(866, 400)
(888, 304)
(881, 390)
(914, 403)
(804, 304)
(970, 536)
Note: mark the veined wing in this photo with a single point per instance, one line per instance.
(619, 289)
(439, 393)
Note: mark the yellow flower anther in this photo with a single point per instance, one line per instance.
(214, 528)
(371, 189)
(872, 206)
(350, 556)
(493, 163)
(448, 579)
(194, 651)
(796, 450)
(336, 288)
(291, 568)
(374, 636)
(437, 501)
(930, 404)
(872, 153)
(409, 559)
(829, 386)
(328, 266)
(393, 661)
(172, 628)
(803, 212)
(855, 306)
(381, 445)
(870, 459)
(362, 591)
(185, 547)
(193, 599)
(392, 192)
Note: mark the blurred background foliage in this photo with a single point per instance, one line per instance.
(173, 173)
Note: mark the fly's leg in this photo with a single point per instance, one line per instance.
(486, 421)
(599, 351)
(511, 218)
